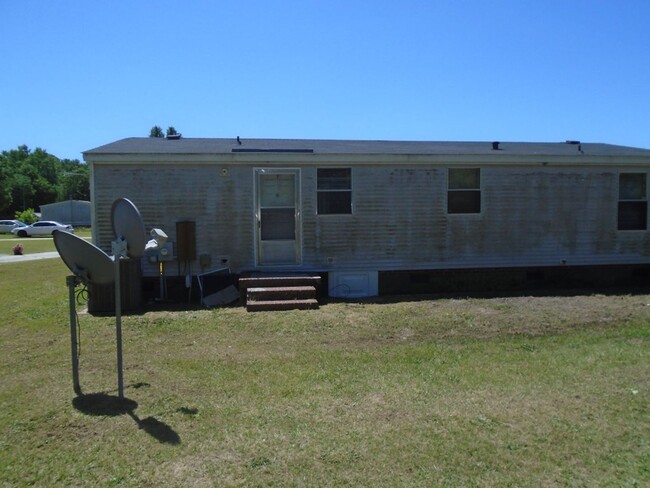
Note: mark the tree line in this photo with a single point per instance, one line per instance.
(29, 179)
(156, 131)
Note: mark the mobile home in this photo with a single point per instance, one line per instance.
(369, 214)
(73, 212)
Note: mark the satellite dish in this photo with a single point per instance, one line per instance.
(127, 223)
(92, 265)
(84, 259)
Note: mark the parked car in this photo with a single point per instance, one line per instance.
(6, 226)
(42, 228)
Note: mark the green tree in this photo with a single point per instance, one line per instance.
(44, 169)
(17, 184)
(22, 192)
(73, 181)
(171, 132)
(29, 179)
(6, 197)
(156, 131)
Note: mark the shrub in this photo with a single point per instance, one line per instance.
(28, 216)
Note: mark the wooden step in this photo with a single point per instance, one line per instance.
(258, 294)
(273, 305)
(264, 281)
(278, 281)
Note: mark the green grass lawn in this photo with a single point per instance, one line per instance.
(33, 245)
(510, 391)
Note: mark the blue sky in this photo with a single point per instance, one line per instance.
(79, 74)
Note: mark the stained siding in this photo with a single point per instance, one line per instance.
(220, 205)
(388, 225)
(531, 215)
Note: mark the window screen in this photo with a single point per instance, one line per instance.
(334, 188)
(464, 191)
(632, 201)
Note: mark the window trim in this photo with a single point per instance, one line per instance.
(338, 190)
(478, 190)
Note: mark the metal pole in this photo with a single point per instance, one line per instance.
(118, 328)
(161, 274)
(71, 281)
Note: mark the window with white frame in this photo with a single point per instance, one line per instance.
(632, 201)
(334, 188)
(464, 191)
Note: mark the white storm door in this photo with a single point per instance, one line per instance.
(278, 216)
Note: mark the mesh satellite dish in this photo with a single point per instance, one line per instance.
(131, 240)
(128, 225)
(88, 262)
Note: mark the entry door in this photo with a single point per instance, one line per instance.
(278, 216)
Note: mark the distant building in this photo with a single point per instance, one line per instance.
(73, 212)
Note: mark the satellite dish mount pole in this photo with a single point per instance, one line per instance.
(119, 251)
(130, 242)
(72, 282)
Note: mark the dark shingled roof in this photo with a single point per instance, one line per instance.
(152, 145)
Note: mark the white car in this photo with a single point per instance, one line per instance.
(42, 228)
(6, 226)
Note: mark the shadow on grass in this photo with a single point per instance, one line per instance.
(103, 404)
(158, 430)
(109, 405)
